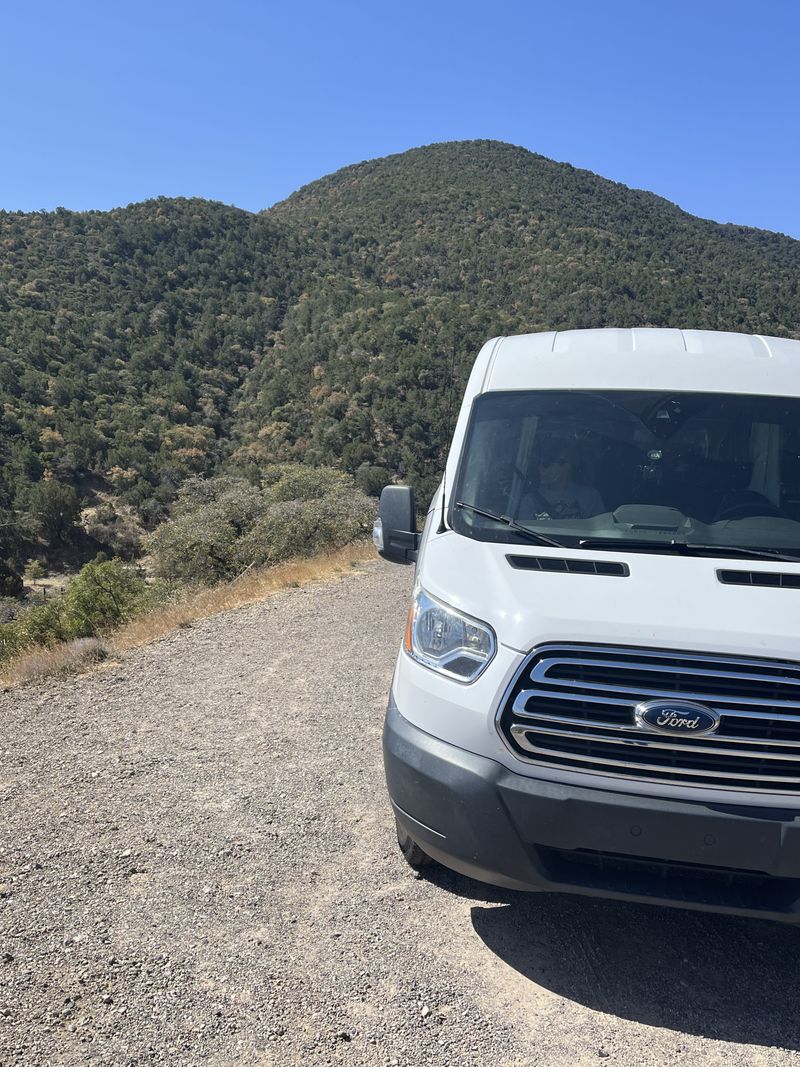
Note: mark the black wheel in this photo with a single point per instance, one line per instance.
(412, 853)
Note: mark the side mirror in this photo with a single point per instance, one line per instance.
(395, 530)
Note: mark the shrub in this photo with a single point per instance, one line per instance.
(196, 493)
(303, 527)
(100, 597)
(152, 512)
(224, 525)
(194, 547)
(293, 481)
(10, 608)
(42, 624)
(12, 639)
(371, 480)
(10, 581)
(198, 543)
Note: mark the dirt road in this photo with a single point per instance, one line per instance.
(197, 866)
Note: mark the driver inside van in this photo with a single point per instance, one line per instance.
(556, 495)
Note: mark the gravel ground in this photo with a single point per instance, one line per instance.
(197, 866)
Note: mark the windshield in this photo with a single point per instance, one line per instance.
(656, 469)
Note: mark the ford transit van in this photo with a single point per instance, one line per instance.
(598, 690)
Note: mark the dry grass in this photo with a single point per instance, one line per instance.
(250, 588)
(69, 657)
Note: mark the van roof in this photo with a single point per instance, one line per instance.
(707, 361)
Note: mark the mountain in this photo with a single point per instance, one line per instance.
(145, 344)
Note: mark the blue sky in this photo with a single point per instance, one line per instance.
(108, 103)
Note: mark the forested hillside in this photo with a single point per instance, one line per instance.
(177, 337)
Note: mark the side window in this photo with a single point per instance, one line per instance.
(489, 471)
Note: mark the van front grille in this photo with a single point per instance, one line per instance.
(573, 706)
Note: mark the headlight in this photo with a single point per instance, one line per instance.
(447, 641)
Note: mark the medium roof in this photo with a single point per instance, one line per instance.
(650, 358)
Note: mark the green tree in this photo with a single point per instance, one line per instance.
(55, 509)
(34, 571)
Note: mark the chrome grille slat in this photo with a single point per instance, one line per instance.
(734, 713)
(641, 691)
(655, 768)
(547, 694)
(541, 668)
(591, 724)
(646, 741)
(637, 655)
(573, 707)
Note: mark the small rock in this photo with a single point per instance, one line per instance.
(426, 1012)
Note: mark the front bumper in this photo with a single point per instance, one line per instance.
(483, 820)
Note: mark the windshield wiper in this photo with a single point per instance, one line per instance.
(742, 550)
(620, 544)
(686, 548)
(506, 520)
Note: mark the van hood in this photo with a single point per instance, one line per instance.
(666, 601)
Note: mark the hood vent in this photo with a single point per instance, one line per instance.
(764, 578)
(569, 566)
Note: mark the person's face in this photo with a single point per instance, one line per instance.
(555, 471)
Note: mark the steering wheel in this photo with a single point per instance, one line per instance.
(539, 502)
(749, 509)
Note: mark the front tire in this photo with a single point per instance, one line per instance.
(412, 853)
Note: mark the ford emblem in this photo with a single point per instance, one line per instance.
(676, 717)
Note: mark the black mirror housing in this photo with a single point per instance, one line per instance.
(398, 539)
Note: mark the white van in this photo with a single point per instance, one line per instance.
(599, 687)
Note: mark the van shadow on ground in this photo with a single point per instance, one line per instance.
(724, 978)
